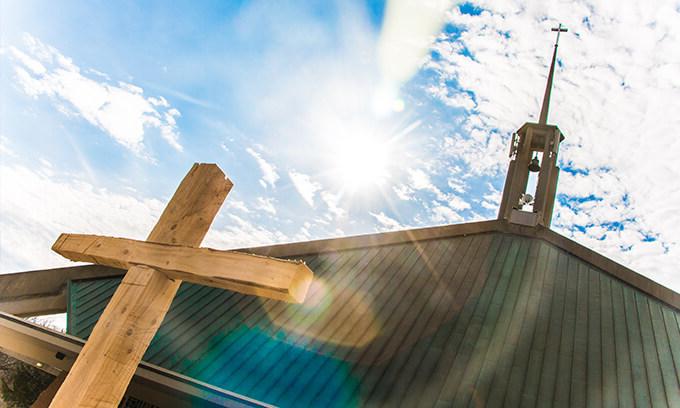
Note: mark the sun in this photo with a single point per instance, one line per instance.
(361, 161)
(362, 153)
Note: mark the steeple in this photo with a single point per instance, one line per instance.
(543, 118)
(534, 139)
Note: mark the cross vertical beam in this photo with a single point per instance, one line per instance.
(110, 357)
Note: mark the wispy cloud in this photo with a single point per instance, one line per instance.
(420, 180)
(120, 110)
(233, 204)
(266, 205)
(492, 199)
(441, 214)
(180, 95)
(332, 201)
(403, 192)
(385, 222)
(240, 233)
(305, 186)
(269, 174)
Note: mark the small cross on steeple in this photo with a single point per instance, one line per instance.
(560, 29)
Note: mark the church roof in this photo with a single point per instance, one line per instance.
(473, 314)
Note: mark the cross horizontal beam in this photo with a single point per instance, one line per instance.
(245, 273)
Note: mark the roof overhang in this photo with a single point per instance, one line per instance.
(56, 352)
(44, 291)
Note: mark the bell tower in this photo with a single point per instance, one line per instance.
(530, 141)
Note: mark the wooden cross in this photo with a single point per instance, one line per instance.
(156, 268)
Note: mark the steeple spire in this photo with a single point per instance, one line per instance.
(528, 143)
(543, 120)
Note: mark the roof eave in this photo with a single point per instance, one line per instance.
(43, 291)
(32, 343)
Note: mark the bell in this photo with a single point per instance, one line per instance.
(534, 167)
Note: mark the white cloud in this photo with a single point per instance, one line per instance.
(441, 214)
(420, 180)
(484, 152)
(38, 205)
(456, 184)
(233, 204)
(266, 205)
(403, 192)
(303, 234)
(305, 186)
(386, 223)
(241, 233)
(456, 202)
(492, 199)
(457, 100)
(120, 110)
(332, 202)
(269, 174)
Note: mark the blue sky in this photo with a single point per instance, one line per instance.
(333, 118)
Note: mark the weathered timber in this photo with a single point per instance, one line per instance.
(103, 370)
(250, 274)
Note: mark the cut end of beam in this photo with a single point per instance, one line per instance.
(205, 187)
(300, 285)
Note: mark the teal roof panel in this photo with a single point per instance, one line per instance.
(488, 319)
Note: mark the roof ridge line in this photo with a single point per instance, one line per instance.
(603, 263)
(374, 239)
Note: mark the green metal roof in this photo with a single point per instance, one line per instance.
(488, 319)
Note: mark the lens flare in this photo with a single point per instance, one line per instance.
(342, 317)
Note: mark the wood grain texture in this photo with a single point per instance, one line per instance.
(250, 274)
(103, 370)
